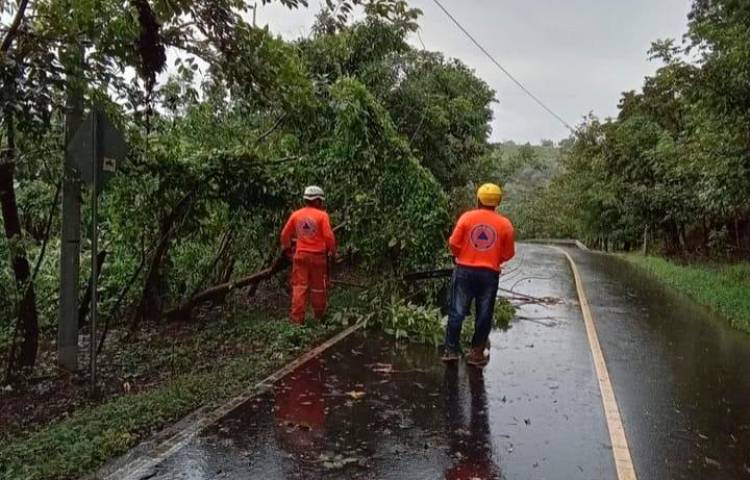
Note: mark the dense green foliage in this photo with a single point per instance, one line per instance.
(416, 323)
(723, 289)
(673, 169)
(221, 149)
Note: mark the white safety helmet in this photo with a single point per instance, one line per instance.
(314, 192)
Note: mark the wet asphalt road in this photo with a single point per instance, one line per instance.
(372, 409)
(681, 375)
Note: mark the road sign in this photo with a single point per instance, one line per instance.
(101, 145)
(97, 148)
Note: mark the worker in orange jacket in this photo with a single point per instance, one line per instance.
(315, 242)
(481, 242)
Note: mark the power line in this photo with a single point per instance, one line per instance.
(503, 69)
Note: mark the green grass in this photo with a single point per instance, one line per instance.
(91, 435)
(725, 289)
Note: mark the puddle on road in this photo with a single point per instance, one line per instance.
(371, 408)
(396, 413)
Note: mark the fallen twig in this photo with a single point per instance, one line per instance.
(523, 296)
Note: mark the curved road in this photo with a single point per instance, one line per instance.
(372, 409)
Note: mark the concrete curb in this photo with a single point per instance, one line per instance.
(138, 461)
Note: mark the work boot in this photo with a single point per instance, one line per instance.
(450, 356)
(477, 358)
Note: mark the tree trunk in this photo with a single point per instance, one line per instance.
(683, 243)
(706, 236)
(28, 323)
(150, 304)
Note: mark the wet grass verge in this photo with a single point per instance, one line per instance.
(725, 289)
(206, 365)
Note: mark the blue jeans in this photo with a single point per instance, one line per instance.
(467, 284)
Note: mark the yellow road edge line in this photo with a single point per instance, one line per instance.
(620, 448)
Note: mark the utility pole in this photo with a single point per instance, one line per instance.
(255, 11)
(67, 330)
(95, 154)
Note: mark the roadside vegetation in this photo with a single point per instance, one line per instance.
(165, 375)
(526, 172)
(221, 148)
(725, 289)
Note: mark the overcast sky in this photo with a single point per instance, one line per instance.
(576, 55)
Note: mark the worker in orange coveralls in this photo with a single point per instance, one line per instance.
(315, 242)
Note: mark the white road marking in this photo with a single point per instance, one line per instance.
(620, 448)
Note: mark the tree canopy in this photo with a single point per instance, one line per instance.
(222, 140)
(673, 168)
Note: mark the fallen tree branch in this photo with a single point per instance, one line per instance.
(224, 244)
(521, 296)
(218, 291)
(280, 261)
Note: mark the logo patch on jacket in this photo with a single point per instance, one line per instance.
(306, 227)
(483, 237)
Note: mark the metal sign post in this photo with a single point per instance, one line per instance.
(98, 147)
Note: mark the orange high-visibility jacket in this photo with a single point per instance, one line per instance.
(482, 238)
(312, 229)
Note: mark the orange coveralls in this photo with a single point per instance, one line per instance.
(311, 227)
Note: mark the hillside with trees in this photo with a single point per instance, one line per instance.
(526, 172)
(671, 173)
